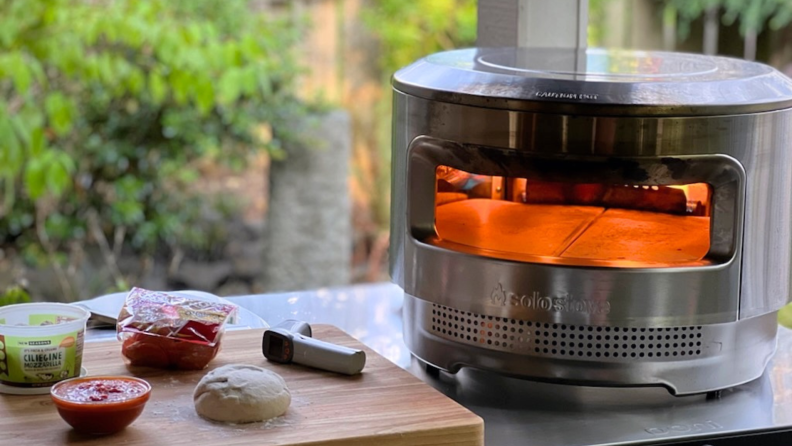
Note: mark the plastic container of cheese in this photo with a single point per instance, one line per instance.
(40, 344)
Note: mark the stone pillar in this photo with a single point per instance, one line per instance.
(308, 230)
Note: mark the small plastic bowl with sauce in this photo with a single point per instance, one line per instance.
(100, 405)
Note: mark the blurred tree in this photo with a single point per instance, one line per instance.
(752, 15)
(684, 12)
(105, 107)
(407, 31)
(14, 295)
(410, 30)
(596, 31)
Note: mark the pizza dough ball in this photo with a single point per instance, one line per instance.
(240, 393)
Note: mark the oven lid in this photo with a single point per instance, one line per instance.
(597, 81)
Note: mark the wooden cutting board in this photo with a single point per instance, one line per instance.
(383, 406)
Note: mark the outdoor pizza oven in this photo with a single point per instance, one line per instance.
(594, 217)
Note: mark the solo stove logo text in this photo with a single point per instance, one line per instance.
(558, 304)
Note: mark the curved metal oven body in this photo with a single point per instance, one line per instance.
(690, 328)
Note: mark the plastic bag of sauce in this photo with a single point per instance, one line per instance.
(168, 331)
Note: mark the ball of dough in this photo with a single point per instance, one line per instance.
(240, 393)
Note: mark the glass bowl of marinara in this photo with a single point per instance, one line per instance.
(100, 405)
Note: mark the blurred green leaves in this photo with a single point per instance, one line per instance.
(60, 111)
(14, 295)
(785, 316)
(752, 15)
(409, 30)
(107, 106)
(48, 172)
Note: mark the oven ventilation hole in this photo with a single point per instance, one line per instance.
(563, 340)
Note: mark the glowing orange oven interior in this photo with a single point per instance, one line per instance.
(615, 225)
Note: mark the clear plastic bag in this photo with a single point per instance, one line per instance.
(165, 330)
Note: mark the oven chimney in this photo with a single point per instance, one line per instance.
(532, 23)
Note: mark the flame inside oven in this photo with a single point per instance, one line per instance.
(586, 224)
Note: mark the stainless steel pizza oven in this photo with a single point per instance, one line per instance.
(595, 217)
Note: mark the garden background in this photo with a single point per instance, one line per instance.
(243, 146)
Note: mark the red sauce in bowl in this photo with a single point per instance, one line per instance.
(100, 404)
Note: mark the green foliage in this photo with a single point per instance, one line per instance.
(106, 106)
(595, 32)
(407, 31)
(785, 316)
(752, 15)
(689, 11)
(14, 295)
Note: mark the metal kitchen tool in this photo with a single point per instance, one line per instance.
(285, 347)
(295, 326)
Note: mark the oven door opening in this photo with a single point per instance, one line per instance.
(584, 224)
